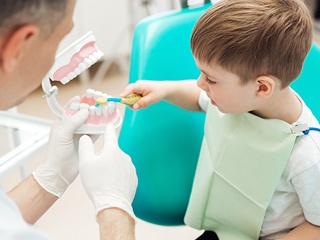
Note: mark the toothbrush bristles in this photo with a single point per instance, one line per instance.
(101, 100)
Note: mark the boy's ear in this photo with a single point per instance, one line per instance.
(266, 86)
(15, 45)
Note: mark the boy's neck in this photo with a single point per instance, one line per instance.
(283, 105)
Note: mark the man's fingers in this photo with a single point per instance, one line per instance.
(110, 137)
(86, 148)
(75, 121)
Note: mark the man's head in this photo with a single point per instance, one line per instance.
(30, 32)
(253, 38)
(43, 13)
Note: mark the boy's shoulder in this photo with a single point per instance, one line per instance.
(305, 155)
(306, 151)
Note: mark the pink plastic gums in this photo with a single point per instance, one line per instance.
(85, 52)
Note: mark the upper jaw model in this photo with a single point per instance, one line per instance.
(76, 58)
(72, 61)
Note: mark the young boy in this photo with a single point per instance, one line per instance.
(258, 175)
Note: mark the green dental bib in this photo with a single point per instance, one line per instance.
(241, 161)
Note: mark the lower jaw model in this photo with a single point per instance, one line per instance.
(99, 115)
(78, 57)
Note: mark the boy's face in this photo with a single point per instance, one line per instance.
(225, 89)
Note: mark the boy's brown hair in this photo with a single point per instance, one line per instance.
(255, 37)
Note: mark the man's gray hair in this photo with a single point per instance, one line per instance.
(44, 13)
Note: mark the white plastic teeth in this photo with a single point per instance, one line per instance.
(91, 93)
(101, 110)
(93, 110)
(87, 62)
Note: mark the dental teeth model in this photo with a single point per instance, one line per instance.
(99, 116)
(78, 57)
(72, 61)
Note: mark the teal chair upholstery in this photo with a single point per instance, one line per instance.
(308, 83)
(164, 141)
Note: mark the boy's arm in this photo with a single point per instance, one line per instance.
(305, 231)
(183, 93)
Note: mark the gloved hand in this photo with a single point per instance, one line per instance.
(109, 178)
(61, 165)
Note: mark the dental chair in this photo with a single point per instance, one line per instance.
(308, 83)
(164, 140)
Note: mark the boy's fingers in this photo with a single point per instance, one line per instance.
(127, 90)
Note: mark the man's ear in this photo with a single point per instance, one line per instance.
(16, 44)
(266, 86)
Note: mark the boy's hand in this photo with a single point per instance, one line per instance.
(151, 92)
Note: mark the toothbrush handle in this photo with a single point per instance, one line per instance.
(131, 99)
(114, 99)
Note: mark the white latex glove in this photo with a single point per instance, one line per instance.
(109, 178)
(61, 165)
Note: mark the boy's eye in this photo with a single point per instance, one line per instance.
(209, 81)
